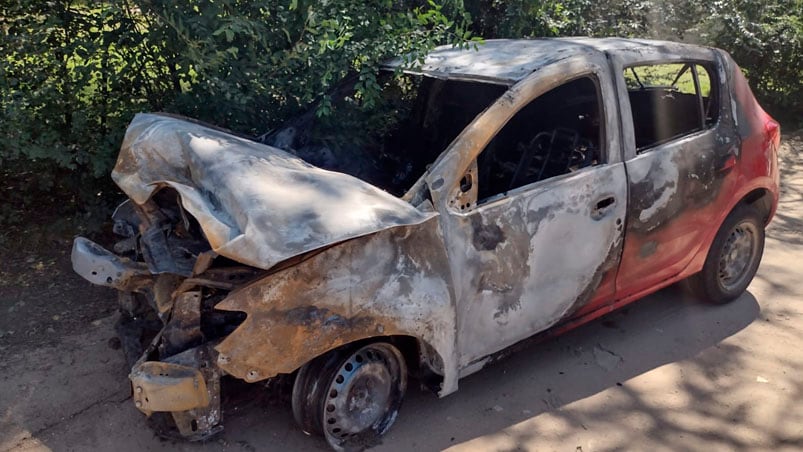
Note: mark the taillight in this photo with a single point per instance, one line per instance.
(772, 131)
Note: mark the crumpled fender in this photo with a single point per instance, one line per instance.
(394, 282)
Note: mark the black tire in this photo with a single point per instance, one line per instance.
(733, 259)
(352, 395)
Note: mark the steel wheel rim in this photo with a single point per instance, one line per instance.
(363, 399)
(737, 255)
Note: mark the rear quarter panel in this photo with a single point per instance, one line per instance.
(757, 162)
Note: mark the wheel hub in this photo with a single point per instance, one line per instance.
(737, 253)
(364, 395)
(367, 396)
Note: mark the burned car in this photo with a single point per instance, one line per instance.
(518, 189)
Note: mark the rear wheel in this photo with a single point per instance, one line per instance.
(733, 258)
(351, 396)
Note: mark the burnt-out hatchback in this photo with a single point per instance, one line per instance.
(491, 194)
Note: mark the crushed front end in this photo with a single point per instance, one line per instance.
(169, 282)
(209, 213)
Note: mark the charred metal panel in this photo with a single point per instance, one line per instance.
(394, 282)
(497, 60)
(643, 50)
(678, 188)
(509, 61)
(162, 386)
(529, 258)
(186, 385)
(183, 331)
(126, 220)
(101, 267)
(255, 204)
(669, 180)
(525, 262)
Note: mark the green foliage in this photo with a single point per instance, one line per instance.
(550, 18)
(67, 92)
(73, 72)
(766, 39)
(247, 64)
(62, 73)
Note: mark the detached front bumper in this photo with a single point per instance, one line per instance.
(187, 386)
(174, 377)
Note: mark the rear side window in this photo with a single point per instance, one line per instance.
(669, 101)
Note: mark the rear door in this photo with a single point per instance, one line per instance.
(678, 157)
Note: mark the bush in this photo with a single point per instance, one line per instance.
(766, 39)
(551, 18)
(73, 73)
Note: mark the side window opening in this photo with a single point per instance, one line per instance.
(669, 101)
(557, 133)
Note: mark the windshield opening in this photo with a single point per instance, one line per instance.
(390, 143)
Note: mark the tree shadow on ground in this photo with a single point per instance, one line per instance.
(546, 378)
(664, 328)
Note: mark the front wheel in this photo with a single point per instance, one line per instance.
(351, 396)
(733, 258)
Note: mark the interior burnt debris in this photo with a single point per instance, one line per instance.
(557, 133)
(670, 100)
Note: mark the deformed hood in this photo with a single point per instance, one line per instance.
(256, 204)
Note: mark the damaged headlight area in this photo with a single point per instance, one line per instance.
(169, 281)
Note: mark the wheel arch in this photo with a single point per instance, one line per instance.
(423, 361)
(762, 198)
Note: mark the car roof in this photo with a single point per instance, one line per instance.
(509, 60)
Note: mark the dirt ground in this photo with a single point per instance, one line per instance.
(666, 373)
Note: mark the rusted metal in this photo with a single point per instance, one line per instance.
(184, 328)
(394, 282)
(162, 386)
(103, 268)
(186, 385)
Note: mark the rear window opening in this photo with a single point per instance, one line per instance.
(669, 101)
(390, 143)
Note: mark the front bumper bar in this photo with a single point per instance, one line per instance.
(187, 386)
(175, 379)
(101, 267)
